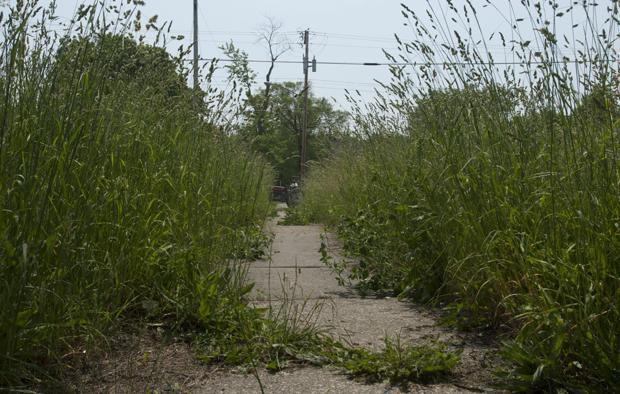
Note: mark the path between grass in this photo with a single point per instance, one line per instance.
(150, 361)
(296, 275)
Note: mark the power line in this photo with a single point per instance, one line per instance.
(414, 64)
(356, 37)
(331, 85)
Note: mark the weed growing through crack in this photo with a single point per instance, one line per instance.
(294, 217)
(277, 344)
(287, 331)
(397, 362)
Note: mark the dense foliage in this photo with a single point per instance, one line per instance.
(495, 188)
(117, 198)
(280, 114)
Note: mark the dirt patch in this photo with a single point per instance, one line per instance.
(145, 361)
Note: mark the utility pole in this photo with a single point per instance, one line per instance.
(196, 82)
(304, 130)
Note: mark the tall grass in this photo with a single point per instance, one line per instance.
(117, 198)
(495, 187)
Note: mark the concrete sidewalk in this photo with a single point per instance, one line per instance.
(294, 274)
(294, 269)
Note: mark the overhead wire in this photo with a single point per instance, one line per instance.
(414, 64)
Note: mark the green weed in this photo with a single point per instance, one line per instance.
(276, 344)
(294, 217)
(288, 333)
(398, 363)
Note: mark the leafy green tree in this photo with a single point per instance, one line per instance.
(272, 117)
(122, 60)
(278, 137)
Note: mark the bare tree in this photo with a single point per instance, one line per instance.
(277, 44)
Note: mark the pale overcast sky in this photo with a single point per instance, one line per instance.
(343, 31)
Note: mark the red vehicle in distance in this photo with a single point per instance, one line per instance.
(279, 193)
(289, 195)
